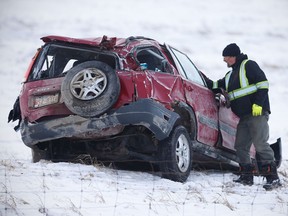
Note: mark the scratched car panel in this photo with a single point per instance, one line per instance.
(122, 99)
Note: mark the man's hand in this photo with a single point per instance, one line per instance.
(256, 110)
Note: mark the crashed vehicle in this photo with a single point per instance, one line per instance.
(124, 99)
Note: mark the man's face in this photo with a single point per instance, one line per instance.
(230, 60)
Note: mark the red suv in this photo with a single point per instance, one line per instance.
(123, 99)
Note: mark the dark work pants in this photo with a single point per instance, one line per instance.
(253, 129)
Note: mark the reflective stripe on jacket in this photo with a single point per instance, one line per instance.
(245, 88)
(247, 85)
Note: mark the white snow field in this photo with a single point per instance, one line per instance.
(201, 29)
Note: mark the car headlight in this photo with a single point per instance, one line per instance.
(44, 100)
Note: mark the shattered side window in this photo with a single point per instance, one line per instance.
(56, 60)
(188, 67)
(152, 58)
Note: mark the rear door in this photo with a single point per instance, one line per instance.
(228, 122)
(199, 97)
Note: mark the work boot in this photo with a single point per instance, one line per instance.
(272, 179)
(246, 175)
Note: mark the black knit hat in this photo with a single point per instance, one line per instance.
(231, 50)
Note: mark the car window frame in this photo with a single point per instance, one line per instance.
(181, 69)
(157, 53)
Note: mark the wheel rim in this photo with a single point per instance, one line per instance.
(183, 153)
(88, 84)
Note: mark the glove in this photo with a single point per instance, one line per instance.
(256, 110)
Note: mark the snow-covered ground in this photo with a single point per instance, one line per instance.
(200, 28)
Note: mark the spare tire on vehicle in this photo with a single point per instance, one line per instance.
(90, 88)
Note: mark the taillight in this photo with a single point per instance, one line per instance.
(30, 65)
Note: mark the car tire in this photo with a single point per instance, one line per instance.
(90, 88)
(176, 155)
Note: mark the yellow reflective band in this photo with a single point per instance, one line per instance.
(242, 75)
(227, 77)
(215, 85)
(262, 85)
(242, 92)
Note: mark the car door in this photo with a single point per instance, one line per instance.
(199, 97)
(228, 122)
(153, 80)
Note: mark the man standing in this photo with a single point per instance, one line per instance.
(247, 87)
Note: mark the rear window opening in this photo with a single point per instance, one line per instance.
(56, 60)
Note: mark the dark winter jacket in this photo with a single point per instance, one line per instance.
(243, 105)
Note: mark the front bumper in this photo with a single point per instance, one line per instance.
(145, 112)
